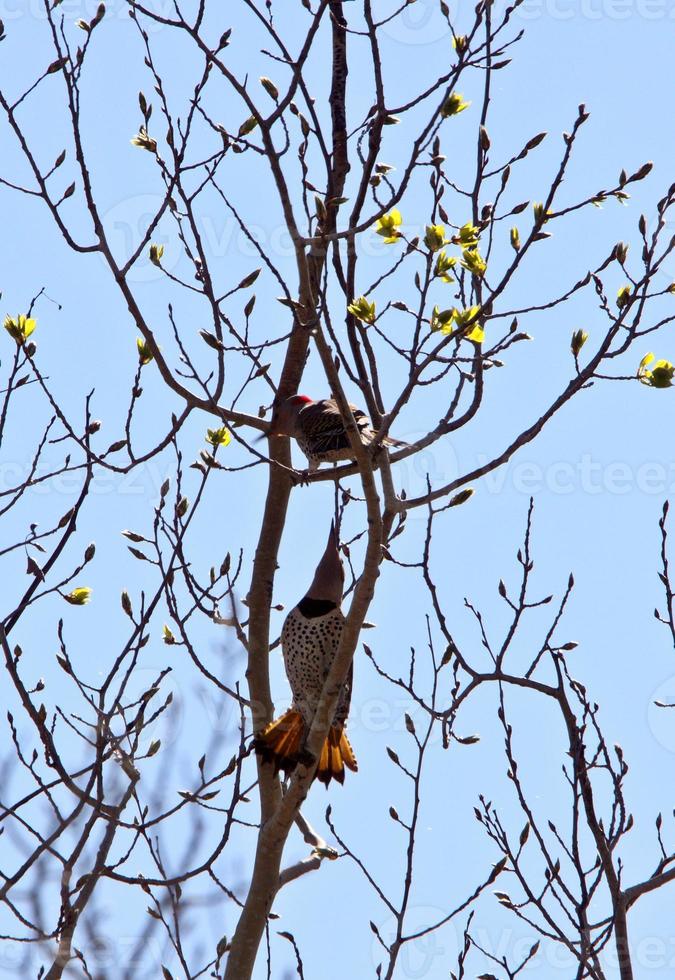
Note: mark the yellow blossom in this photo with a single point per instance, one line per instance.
(464, 317)
(362, 310)
(540, 216)
(218, 437)
(144, 141)
(20, 327)
(659, 376)
(168, 636)
(474, 262)
(434, 237)
(78, 597)
(387, 226)
(443, 265)
(623, 297)
(441, 320)
(145, 355)
(453, 105)
(467, 236)
(579, 338)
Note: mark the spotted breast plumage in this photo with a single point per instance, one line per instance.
(310, 638)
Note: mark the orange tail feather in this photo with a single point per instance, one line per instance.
(335, 755)
(280, 742)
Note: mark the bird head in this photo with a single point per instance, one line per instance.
(329, 577)
(286, 413)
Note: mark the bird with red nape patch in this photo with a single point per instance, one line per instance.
(319, 430)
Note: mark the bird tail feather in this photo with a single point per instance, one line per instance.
(335, 755)
(390, 441)
(281, 743)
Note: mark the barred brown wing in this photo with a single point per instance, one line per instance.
(323, 427)
(345, 699)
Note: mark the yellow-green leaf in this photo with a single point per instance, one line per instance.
(434, 237)
(362, 310)
(474, 262)
(20, 327)
(444, 263)
(467, 236)
(78, 597)
(540, 216)
(144, 141)
(219, 437)
(442, 320)
(145, 355)
(387, 226)
(467, 318)
(623, 297)
(579, 338)
(660, 375)
(453, 105)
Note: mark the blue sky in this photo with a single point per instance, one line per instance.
(599, 472)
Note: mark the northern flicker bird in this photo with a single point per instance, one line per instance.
(309, 640)
(319, 430)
